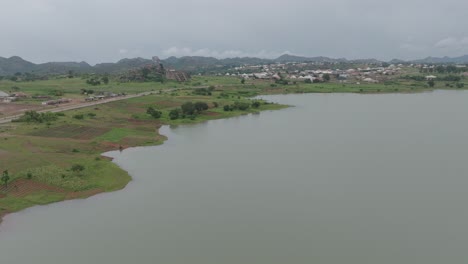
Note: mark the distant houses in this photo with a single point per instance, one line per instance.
(8, 98)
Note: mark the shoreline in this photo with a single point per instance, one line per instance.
(161, 139)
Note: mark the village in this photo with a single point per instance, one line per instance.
(320, 72)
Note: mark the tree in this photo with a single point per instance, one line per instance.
(243, 80)
(5, 178)
(326, 77)
(105, 79)
(200, 106)
(174, 114)
(153, 112)
(188, 108)
(256, 104)
(431, 83)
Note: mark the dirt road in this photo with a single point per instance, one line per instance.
(62, 108)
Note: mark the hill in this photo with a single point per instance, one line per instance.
(192, 64)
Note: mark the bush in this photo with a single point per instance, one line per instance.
(188, 108)
(35, 117)
(241, 105)
(256, 104)
(79, 116)
(77, 168)
(201, 106)
(174, 114)
(154, 112)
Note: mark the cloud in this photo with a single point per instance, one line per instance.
(185, 51)
(123, 51)
(452, 43)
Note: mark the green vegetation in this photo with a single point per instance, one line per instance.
(35, 117)
(5, 178)
(153, 112)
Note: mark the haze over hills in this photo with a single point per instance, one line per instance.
(12, 65)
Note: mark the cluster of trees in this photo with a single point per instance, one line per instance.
(450, 78)
(204, 91)
(443, 69)
(418, 78)
(458, 85)
(241, 106)
(188, 109)
(82, 116)
(94, 81)
(154, 112)
(35, 117)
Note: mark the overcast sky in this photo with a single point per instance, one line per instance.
(108, 30)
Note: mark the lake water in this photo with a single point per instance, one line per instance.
(340, 178)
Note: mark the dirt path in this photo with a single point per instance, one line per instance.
(8, 119)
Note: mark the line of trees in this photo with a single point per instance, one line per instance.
(35, 117)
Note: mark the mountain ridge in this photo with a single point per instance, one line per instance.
(14, 64)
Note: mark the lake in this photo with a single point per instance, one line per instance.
(339, 178)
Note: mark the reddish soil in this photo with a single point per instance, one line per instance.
(83, 194)
(24, 187)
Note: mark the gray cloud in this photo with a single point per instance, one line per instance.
(108, 30)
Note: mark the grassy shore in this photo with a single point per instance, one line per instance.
(40, 157)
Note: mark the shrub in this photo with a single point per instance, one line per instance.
(77, 168)
(256, 104)
(174, 114)
(200, 106)
(154, 112)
